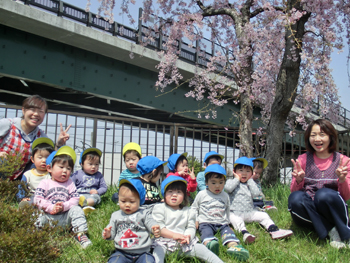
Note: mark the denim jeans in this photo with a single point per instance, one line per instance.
(123, 257)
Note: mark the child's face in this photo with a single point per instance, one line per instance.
(244, 173)
(257, 173)
(39, 160)
(216, 185)
(174, 198)
(91, 165)
(131, 161)
(60, 172)
(182, 166)
(129, 202)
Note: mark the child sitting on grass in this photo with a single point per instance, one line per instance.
(131, 154)
(89, 181)
(58, 197)
(212, 207)
(259, 201)
(177, 224)
(178, 166)
(209, 159)
(130, 227)
(150, 168)
(242, 189)
(41, 149)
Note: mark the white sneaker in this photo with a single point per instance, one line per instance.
(248, 238)
(88, 209)
(335, 240)
(282, 233)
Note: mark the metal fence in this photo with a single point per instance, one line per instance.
(159, 139)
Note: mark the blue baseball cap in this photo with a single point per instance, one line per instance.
(63, 150)
(212, 153)
(169, 180)
(263, 160)
(245, 161)
(137, 184)
(173, 159)
(215, 168)
(88, 150)
(148, 164)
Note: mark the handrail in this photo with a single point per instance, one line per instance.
(188, 53)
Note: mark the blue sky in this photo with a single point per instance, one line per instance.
(338, 64)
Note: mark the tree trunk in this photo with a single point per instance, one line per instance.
(245, 125)
(286, 91)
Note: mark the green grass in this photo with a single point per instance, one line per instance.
(303, 246)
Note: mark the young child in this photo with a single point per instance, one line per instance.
(130, 226)
(150, 168)
(58, 197)
(41, 149)
(177, 224)
(212, 207)
(89, 181)
(178, 166)
(259, 201)
(131, 154)
(209, 159)
(242, 190)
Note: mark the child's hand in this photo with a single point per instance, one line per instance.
(298, 173)
(25, 199)
(106, 232)
(156, 231)
(3, 154)
(178, 237)
(186, 239)
(342, 170)
(238, 176)
(197, 224)
(192, 174)
(93, 191)
(58, 207)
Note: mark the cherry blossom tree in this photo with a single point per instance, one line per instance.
(277, 52)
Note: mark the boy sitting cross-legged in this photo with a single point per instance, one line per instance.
(212, 207)
(130, 227)
(58, 197)
(89, 181)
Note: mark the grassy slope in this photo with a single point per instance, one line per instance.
(304, 246)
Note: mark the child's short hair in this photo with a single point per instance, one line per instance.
(91, 156)
(63, 158)
(258, 164)
(42, 147)
(150, 175)
(178, 185)
(131, 188)
(214, 175)
(136, 153)
(240, 166)
(217, 158)
(180, 160)
(132, 147)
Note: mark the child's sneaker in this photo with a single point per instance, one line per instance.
(248, 238)
(335, 240)
(83, 240)
(269, 207)
(281, 233)
(213, 246)
(82, 201)
(239, 252)
(88, 209)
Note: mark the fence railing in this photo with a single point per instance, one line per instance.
(198, 53)
(110, 134)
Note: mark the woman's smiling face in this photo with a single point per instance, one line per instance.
(319, 140)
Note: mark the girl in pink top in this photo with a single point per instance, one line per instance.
(321, 185)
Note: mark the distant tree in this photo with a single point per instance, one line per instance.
(278, 53)
(194, 162)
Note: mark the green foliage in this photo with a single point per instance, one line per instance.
(10, 164)
(194, 162)
(20, 240)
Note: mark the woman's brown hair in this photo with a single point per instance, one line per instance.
(326, 127)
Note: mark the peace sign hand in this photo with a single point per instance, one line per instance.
(298, 173)
(342, 170)
(63, 136)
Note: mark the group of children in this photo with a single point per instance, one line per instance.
(67, 197)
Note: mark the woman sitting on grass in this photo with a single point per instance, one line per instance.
(321, 185)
